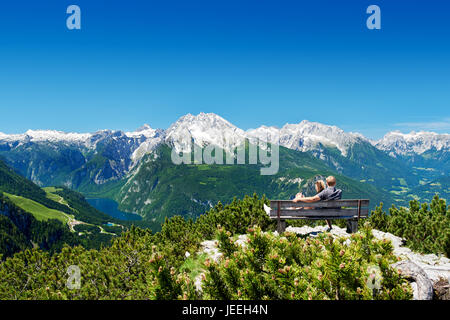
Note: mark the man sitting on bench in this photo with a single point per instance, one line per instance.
(330, 193)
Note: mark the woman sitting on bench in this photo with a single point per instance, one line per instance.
(320, 186)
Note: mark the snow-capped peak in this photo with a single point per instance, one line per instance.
(47, 135)
(53, 135)
(145, 131)
(307, 135)
(203, 129)
(414, 142)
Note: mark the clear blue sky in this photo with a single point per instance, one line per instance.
(252, 62)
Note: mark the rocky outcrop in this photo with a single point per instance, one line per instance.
(423, 290)
(435, 267)
(429, 274)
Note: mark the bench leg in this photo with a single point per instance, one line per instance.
(352, 225)
(281, 226)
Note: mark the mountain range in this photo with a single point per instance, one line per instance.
(134, 168)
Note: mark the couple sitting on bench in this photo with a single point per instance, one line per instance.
(323, 194)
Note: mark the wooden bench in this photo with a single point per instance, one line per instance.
(351, 210)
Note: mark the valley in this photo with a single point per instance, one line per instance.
(50, 217)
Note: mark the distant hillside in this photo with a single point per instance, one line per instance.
(13, 183)
(20, 230)
(440, 186)
(48, 218)
(12, 240)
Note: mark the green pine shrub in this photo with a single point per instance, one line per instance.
(236, 217)
(324, 268)
(426, 228)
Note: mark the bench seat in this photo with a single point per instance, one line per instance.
(350, 209)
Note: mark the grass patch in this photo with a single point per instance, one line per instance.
(415, 197)
(39, 211)
(424, 169)
(50, 193)
(193, 265)
(437, 184)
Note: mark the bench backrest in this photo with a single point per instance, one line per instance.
(286, 209)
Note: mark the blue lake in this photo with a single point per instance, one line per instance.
(110, 207)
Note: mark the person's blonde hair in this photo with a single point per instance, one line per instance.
(331, 181)
(320, 185)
